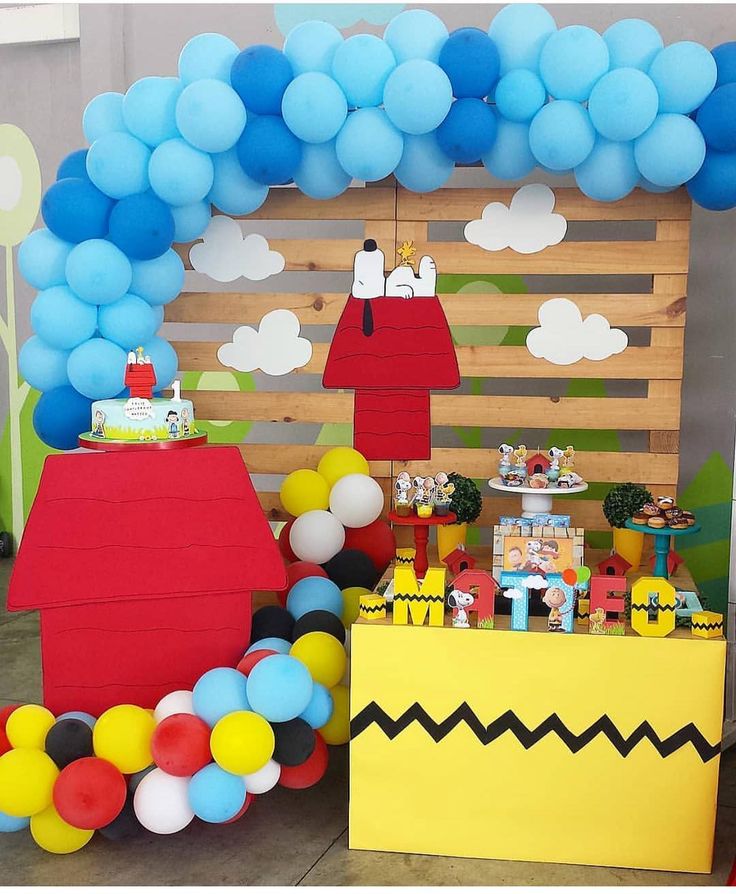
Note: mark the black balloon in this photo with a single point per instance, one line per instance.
(125, 825)
(68, 740)
(319, 619)
(295, 741)
(352, 568)
(271, 620)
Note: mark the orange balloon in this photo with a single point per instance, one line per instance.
(570, 576)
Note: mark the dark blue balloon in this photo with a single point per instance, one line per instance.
(725, 56)
(75, 210)
(717, 118)
(714, 186)
(74, 165)
(268, 151)
(60, 416)
(468, 132)
(142, 226)
(470, 60)
(259, 76)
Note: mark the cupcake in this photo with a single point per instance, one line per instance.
(538, 481)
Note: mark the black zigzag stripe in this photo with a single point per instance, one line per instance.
(401, 560)
(509, 722)
(647, 607)
(717, 625)
(372, 608)
(583, 616)
(412, 597)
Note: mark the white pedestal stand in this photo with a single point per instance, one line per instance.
(536, 500)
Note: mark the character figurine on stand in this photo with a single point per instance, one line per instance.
(568, 460)
(424, 496)
(554, 598)
(553, 473)
(444, 489)
(504, 464)
(459, 602)
(402, 486)
(520, 470)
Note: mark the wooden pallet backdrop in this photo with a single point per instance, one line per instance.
(391, 215)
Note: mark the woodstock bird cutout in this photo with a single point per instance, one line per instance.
(370, 281)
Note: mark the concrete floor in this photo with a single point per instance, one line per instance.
(287, 837)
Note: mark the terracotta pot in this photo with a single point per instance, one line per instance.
(629, 545)
(449, 537)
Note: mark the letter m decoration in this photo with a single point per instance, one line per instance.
(411, 600)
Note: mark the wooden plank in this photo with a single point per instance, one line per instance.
(492, 361)
(467, 204)
(626, 414)
(353, 204)
(270, 459)
(466, 309)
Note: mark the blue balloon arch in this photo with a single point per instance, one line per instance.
(618, 110)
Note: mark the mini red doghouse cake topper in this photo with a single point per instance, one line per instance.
(140, 376)
(392, 345)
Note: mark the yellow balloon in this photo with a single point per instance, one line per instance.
(122, 735)
(242, 742)
(351, 603)
(27, 726)
(303, 491)
(337, 729)
(342, 461)
(323, 655)
(50, 832)
(27, 777)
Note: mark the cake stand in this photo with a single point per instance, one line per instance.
(112, 446)
(536, 500)
(662, 543)
(421, 534)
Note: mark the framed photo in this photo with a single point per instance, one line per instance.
(536, 549)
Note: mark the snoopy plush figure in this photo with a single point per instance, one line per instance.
(460, 601)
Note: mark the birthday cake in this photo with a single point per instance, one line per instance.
(142, 417)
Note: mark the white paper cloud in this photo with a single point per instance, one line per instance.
(535, 582)
(225, 255)
(275, 347)
(527, 225)
(513, 593)
(564, 337)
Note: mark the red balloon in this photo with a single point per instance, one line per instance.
(570, 576)
(248, 662)
(249, 799)
(286, 551)
(4, 714)
(295, 572)
(311, 771)
(376, 540)
(89, 793)
(181, 745)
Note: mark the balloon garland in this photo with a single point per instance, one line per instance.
(618, 110)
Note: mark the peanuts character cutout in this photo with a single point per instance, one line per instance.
(597, 620)
(444, 487)
(554, 598)
(402, 486)
(424, 493)
(172, 422)
(547, 555)
(98, 425)
(186, 428)
(459, 601)
(533, 558)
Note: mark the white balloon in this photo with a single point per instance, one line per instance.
(178, 702)
(317, 536)
(357, 500)
(161, 802)
(263, 780)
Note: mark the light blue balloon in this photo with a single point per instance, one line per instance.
(117, 164)
(103, 114)
(623, 104)
(10, 823)
(684, 73)
(210, 115)
(312, 593)
(42, 259)
(314, 107)
(416, 34)
(510, 157)
(275, 643)
(96, 368)
(571, 62)
(128, 322)
(311, 46)
(609, 173)
(320, 707)
(632, 43)
(561, 135)
(652, 187)
(215, 795)
(279, 688)
(207, 56)
(671, 151)
(164, 359)
(361, 66)
(79, 715)
(42, 366)
(98, 272)
(319, 174)
(520, 30)
(159, 280)
(368, 146)
(158, 313)
(190, 221)
(417, 96)
(218, 692)
(424, 166)
(61, 319)
(179, 173)
(520, 94)
(149, 109)
(233, 191)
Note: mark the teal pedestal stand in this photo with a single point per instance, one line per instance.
(662, 543)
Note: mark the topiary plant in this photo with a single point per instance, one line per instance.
(622, 501)
(466, 501)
